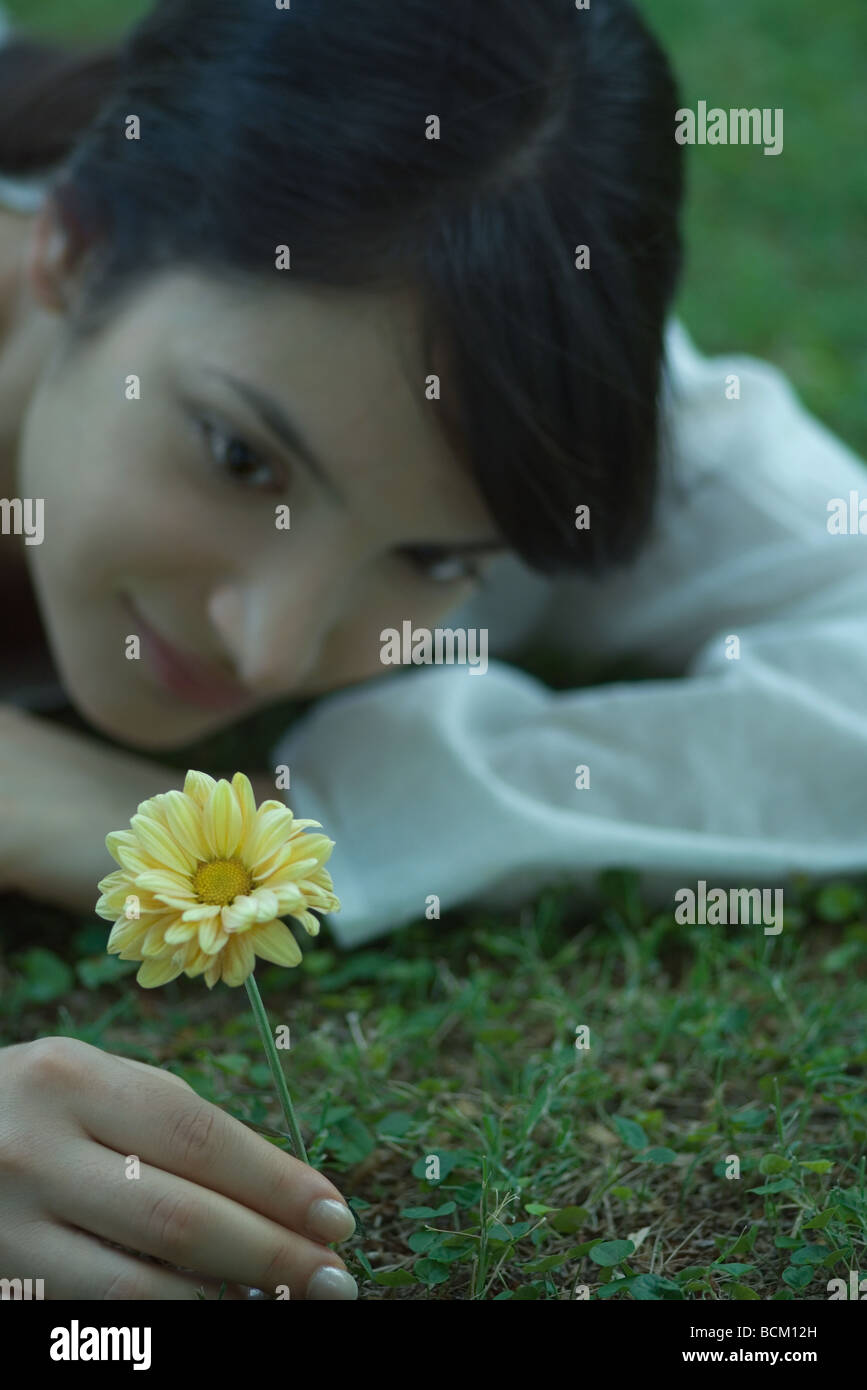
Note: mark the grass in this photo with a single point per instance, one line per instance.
(563, 1169)
(775, 244)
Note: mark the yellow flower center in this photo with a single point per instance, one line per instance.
(221, 881)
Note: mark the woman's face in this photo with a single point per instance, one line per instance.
(166, 490)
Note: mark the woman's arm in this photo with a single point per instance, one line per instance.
(60, 795)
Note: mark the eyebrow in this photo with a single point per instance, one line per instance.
(279, 423)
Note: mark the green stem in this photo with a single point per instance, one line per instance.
(274, 1063)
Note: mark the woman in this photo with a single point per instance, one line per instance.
(338, 319)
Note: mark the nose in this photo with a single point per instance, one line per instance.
(273, 629)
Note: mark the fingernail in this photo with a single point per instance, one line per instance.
(330, 1220)
(329, 1282)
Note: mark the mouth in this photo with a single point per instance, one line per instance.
(187, 677)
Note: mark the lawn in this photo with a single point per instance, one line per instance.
(563, 1168)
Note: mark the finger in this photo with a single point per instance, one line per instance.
(180, 1133)
(192, 1227)
(84, 1268)
(160, 1071)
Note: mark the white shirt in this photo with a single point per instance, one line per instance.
(736, 771)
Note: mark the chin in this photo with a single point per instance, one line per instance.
(149, 742)
(147, 732)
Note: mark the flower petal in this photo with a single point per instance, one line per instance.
(274, 941)
(240, 913)
(162, 847)
(154, 943)
(293, 870)
(269, 834)
(181, 905)
(123, 846)
(167, 881)
(113, 904)
(199, 963)
(222, 822)
(187, 953)
(212, 937)
(267, 907)
(246, 800)
(154, 806)
(317, 896)
(288, 896)
(317, 847)
(181, 932)
(124, 935)
(116, 879)
(239, 960)
(107, 912)
(202, 912)
(214, 972)
(297, 858)
(308, 922)
(198, 786)
(184, 818)
(158, 972)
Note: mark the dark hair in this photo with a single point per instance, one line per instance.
(48, 94)
(307, 127)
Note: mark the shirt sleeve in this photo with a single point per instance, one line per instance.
(743, 760)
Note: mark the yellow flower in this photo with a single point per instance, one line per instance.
(204, 876)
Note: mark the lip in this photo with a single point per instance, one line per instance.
(192, 680)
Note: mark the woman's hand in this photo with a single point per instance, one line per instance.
(96, 1148)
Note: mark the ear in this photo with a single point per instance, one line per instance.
(50, 260)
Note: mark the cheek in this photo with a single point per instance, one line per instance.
(354, 648)
(111, 508)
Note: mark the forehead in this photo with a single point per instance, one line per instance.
(347, 366)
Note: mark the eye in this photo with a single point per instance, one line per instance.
(240, 463)
(441, 566)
